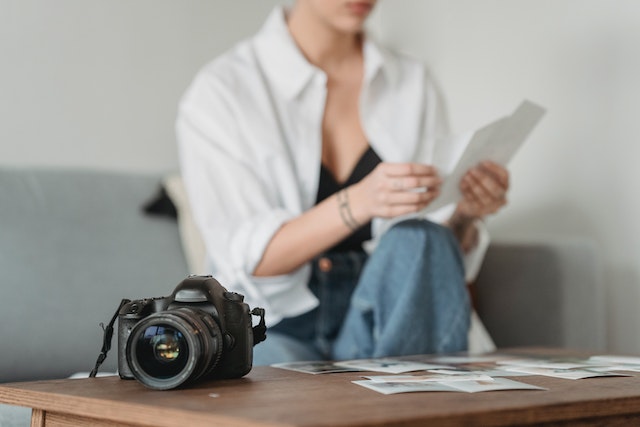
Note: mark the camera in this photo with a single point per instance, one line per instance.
(200, 331)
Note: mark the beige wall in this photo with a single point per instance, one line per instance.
(95, 83)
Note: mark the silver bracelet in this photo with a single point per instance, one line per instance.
(345, 210)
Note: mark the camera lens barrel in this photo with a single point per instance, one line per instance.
(170, 348)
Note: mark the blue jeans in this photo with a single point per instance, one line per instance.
(408, 297)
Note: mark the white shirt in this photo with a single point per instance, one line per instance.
(249, 138)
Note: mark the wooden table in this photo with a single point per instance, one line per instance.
(275, 397)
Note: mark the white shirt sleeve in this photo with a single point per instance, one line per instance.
(235, 208)
(474, 258)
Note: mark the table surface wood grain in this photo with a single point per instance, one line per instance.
(274, 397)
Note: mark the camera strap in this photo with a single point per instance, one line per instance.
(260, 330)
(106, 341)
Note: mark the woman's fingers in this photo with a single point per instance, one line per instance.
(410, 176)
(484, 188)
(500, 173)
(394, 189)
(407, 169)
(410, 183)
(402, 203)
(409, 197)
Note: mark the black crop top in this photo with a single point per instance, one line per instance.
(329, 186)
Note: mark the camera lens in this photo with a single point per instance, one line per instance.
(166, 343)
(169, 348)
(162, 351)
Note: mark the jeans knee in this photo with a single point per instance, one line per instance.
(421, 245)
(418, 231)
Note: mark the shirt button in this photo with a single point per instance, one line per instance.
(325, 265)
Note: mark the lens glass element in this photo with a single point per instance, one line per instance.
(162, 351)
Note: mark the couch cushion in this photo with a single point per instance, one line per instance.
(192, 243)
(544, 294)
(74, 243)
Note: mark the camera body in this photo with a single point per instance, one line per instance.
(200, 331)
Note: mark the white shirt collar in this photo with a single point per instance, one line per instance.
(287, 68)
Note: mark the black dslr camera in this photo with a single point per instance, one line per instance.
(200, 331)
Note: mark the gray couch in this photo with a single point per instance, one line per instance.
(75, 242)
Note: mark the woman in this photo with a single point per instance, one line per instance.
(295, 146)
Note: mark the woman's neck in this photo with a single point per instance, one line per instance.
(324, 46)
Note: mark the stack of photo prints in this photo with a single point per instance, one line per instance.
(469, 374)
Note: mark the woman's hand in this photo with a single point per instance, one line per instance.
(484, 189)
(394, 189)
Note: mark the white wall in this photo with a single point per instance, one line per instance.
(95, 83)
(577, 174)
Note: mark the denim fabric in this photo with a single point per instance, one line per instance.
(408, 297)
